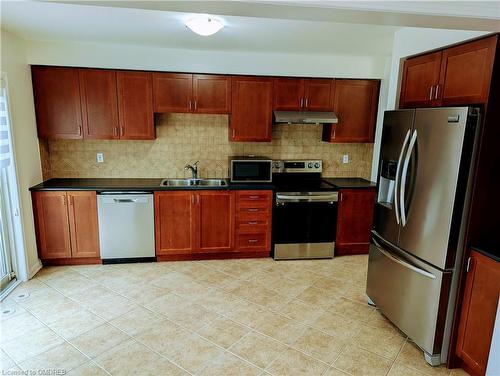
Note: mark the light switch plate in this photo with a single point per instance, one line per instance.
(100, 157)
(345, 158)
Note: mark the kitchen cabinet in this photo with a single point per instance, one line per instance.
(175, 222)
(58, 110)
(215, 221)
(99, 104)
(251, 109)
(458, 75)
(420, 78)
(302, 94)
(477, 317)
(354, 221)
(66, 224)
(135, 105)
(355, 103)
(200, 93)
(253, 220)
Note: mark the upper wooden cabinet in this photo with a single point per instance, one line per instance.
(201, 93)
(478, 313)
(420, 78)
(355, 103)
(355, 218)
(135, 105)
(99, 103)
(303, 94)
(466, 72)
(251, 109)
(57, 102)
(66, 224)
(458, 75)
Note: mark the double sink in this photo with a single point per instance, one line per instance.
(193, 182)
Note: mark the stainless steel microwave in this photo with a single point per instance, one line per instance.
(250, 169)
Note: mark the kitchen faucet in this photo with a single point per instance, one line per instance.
(193, 168)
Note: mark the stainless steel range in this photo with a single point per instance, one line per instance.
(305, 211)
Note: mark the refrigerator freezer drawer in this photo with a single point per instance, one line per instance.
(410, 293)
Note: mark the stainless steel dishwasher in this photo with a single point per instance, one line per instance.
(126, 226)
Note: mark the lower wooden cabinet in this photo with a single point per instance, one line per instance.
(354, 223)
(477, 319)
(66, 224)
(190, 224)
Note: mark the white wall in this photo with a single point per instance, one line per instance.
(203, 61)
(26, 151)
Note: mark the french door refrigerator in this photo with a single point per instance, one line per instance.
(424, 184)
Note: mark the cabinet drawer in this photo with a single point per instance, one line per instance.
(253, 196)
(256, 210)
(251, 240)
(252, 227)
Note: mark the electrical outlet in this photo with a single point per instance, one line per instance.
(100, 157)
(345, 158)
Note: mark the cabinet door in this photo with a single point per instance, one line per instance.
(99, 103)
(318, 94)
(173, 92)
(52, 224)
(211, 94)
(84, 229)
(355, 103)
(354, 221)
(135, 105)
(215, 221)
(420, 80)
(251, 109)
(479, 307)
(288, 94)
(57, 102)
(466, 72)
(175, 224)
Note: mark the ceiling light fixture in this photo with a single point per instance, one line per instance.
(204, 25)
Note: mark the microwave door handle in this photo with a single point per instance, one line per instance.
(404, 174)
(405, 264)
(398, 170)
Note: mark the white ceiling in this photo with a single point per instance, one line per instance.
(315, 27)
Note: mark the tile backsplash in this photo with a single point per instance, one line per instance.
(184, 138)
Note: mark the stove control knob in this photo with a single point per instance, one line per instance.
(317, 165)
(276, 165)
(310, 165)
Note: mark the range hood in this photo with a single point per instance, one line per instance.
(305, 117)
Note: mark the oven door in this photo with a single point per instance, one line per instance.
(304, 225)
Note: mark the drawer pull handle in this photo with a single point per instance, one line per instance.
(253, 197)
(253, 210)
(252, 240)
(252, 222)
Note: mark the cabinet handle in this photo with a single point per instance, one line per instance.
(437, 91)
(195, 105)
(252, 240)
(252, 222)
(430, 92)
(122, 131)
(189, 102)
(301, 102)
(79, 130)
(115, 131)
(307, 100)
(253, 197)
(253, 209)
(234, 134)
(467, 268)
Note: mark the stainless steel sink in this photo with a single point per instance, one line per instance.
(193, 182)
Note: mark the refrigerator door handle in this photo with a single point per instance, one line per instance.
(403, 177)
(396, 181)
(407, 265)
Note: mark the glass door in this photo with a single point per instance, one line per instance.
(7, 186)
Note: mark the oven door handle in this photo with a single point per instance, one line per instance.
(331, 198)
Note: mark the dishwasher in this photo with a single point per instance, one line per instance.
(126, 226)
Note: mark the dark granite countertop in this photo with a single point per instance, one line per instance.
(133, 184)
(490, 250)
(351, 183)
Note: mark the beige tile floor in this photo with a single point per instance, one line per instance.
(230, 317)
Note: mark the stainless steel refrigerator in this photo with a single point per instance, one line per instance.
(424, 183)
